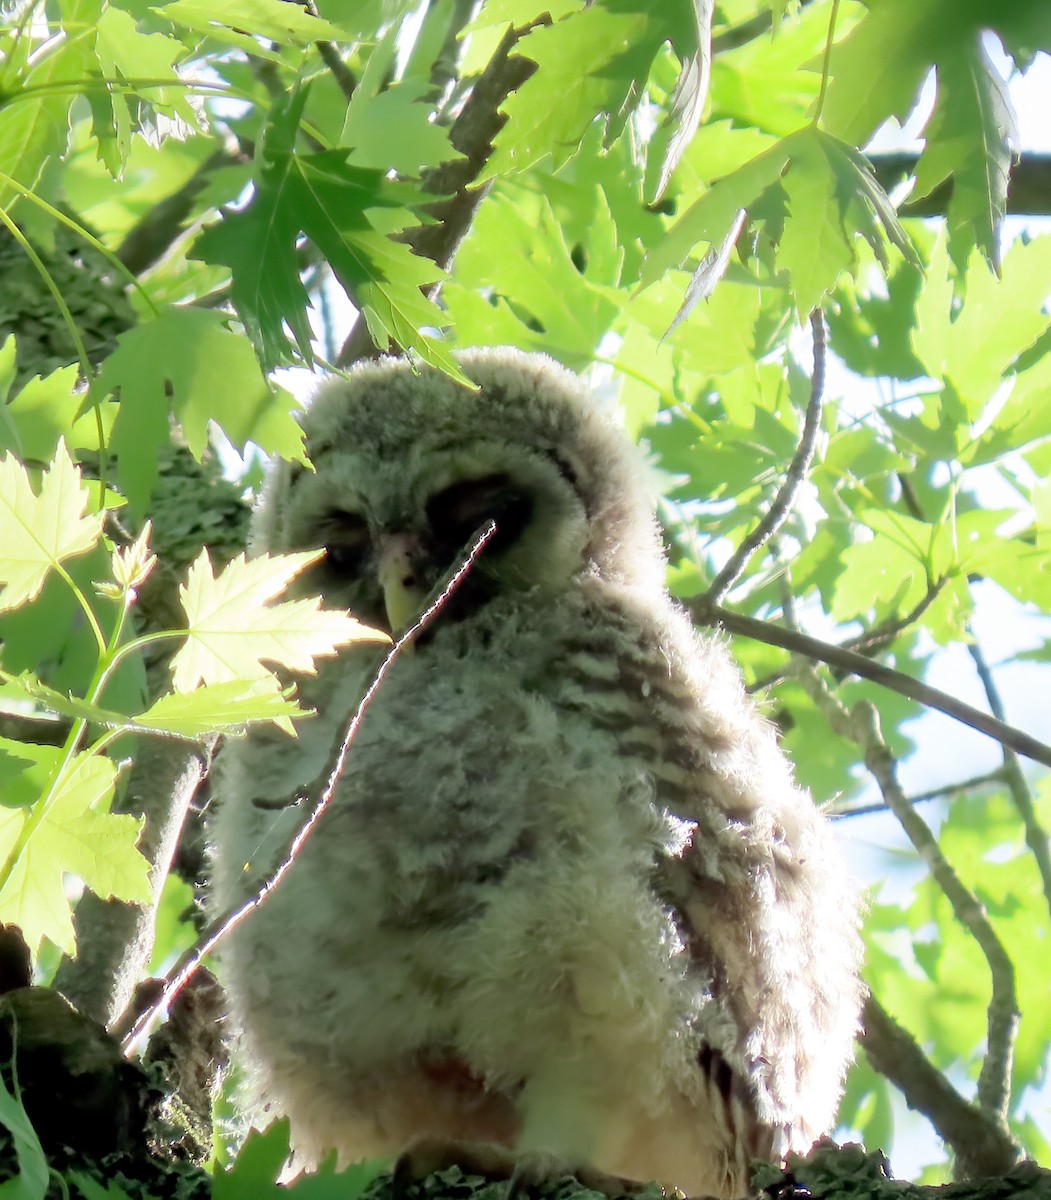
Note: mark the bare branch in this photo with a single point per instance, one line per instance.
(939, 793)
(342, 74)
(981, 1148)
(1035, 835)
(861, 724)
(857, 664)
(332, 58)
(994, 1081)
(131, 1027)
(797, 469)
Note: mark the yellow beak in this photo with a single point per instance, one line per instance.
(403, 590)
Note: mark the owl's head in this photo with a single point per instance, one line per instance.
(409, 466)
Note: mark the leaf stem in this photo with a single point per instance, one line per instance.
(57, 215)
(825, 64)
(78, 342)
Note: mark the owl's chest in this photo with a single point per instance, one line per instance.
(462, 767)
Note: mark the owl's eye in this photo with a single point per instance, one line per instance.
(346, 542)
(457, 513)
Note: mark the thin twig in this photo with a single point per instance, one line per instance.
(871, 640)
(868, 642)
(981, 1147)
(862, 725)
(938, 793)
(1035, 835)
(857, 664)
(131, 1027)
(778, 511)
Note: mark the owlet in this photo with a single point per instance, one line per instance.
(567, 899)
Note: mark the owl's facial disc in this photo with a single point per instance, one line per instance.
(393, 538)
(456, 513)
(409, 565)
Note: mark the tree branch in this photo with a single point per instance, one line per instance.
(453, 183)
(939, 793)
(778, 511)
(1029, 191)
(147, 242)
(981, 1147)
(861, 724)
(871, 640)
(1035, 835)
(857, 664)
(994, 1081)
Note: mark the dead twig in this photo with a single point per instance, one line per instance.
(132, 1027)
(779, 510)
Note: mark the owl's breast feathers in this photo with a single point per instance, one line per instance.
(580, 868)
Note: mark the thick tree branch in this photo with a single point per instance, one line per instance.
(1035, 835)
(148, 241)
(981, 1147)
(1029, 192)
(857, 664)
(453, 183)
(782, 503)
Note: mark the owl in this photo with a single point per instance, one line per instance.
(567, 899)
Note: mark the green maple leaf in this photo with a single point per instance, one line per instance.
(171, 364)
(595, 60)
(969, 140)
(832, 198)
(708, 219)
(220, 706)
(231, 632)
(348, 212)
(41, 530)
(877, 69)
(250, 24)
(71, 833)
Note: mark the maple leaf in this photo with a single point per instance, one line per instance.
(232, 629)
(41, 530)
(72, 833)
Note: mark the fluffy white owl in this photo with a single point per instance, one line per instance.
(567, 898)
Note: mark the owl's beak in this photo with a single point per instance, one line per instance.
(403, 589)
